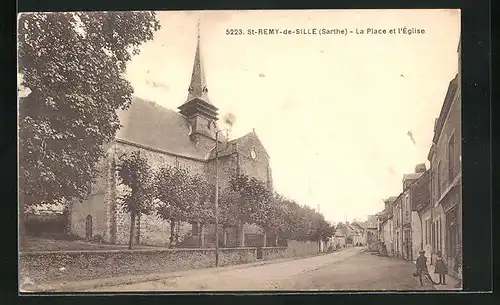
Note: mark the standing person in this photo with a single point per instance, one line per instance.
(441, 269)
(422, 268)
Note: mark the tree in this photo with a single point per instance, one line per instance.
(73, 65)
(322, 229)
(254, 200)
(202, 209)
(274, 219)
(176, 194)
(135, 173)
(229, 212)
(254, 197)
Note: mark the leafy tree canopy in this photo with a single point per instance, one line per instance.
(135, 173)
(175, 192)
(73, 65)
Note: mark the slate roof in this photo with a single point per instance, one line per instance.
(147, 123)
(244, 143)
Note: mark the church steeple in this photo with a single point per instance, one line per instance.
(197, 108)
(198, 86)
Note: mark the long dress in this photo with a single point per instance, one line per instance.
(440, 267)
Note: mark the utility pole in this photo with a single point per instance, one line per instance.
(217, 198)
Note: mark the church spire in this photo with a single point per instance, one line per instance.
(198, 86)
(201, 113)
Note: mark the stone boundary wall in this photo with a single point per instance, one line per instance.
(59, 266)
(68, 266)
(294, 249)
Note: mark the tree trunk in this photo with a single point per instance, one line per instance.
(177, 231)
(132, 230)
(276, 240)
(264, 239)
(172, 233)
(138, 230)
(241, 232)
(201, 232)
(224, 238)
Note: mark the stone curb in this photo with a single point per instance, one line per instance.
(126, 280)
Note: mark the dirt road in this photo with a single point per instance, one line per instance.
(350, 269)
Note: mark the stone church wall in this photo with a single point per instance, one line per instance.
(95, 205)
(228, 166)
(257, 168)
(154, 230)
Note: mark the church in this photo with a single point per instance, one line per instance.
(183, 138)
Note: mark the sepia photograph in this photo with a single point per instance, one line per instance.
(226, 151)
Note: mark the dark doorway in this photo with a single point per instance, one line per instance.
(88, 227)
(259, 252)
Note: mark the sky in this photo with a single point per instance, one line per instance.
(333, 111)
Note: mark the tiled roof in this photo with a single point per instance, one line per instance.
(147, 123)
(358, 225)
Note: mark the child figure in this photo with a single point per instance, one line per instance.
(441, 269)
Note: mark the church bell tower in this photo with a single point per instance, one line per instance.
(202, 114)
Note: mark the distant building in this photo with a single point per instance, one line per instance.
(421, 215)
(386, 227)
(371, 232)
(360, 236)
(338, 240)
(397, 226)
(407, 228)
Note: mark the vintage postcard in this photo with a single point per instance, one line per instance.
(240, 151)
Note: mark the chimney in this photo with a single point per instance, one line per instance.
(420, 168)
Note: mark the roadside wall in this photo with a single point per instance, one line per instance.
(294, 249)
(58, 266)
(67, 266)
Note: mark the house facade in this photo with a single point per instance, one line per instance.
(410, 224)
(385, 227)
(184, 138)
(359, 238)
(421, 220)
(427, 215)
(338, 240)
(446, 177)
(397, 237)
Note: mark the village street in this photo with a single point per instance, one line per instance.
(349, 269)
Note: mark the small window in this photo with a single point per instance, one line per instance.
(451, 158)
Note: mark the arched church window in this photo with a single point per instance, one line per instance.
(205, 89)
